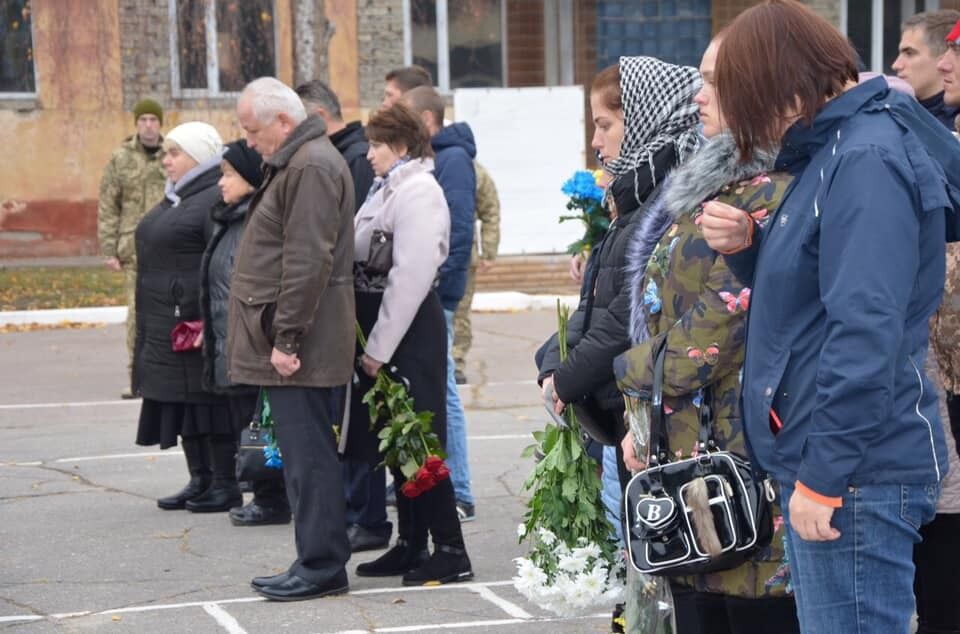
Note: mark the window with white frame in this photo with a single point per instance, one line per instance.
(873, 27)
(17, 74)
(461, 42)
(220, 45)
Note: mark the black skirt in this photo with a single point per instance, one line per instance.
(421, 358)
(161, 422)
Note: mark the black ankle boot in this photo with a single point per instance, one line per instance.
(194, 488)
(221, 496)
(400, 559)
(447, 565)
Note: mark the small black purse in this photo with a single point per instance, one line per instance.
(251, 461)
(702, 514)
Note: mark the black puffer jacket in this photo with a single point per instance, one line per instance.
(598, 329)
(170, 244)
(215, 271)
(352, 143)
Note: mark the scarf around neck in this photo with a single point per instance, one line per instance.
(658, 110)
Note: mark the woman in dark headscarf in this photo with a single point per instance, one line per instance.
(646, 124)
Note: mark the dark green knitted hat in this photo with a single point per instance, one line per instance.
(147, 106)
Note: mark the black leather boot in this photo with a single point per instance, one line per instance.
(399, 560)
(200, 476)
(220, 497)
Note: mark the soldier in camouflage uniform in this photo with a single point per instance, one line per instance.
(132, 184)
(488, 213)
(684, 293)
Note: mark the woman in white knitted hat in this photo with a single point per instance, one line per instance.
(170, 243)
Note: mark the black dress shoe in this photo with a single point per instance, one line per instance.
(362, 538)
(253, 514)
(295, 588)
(260, 582)
(194, 488)
(398, 560)
(222, 496)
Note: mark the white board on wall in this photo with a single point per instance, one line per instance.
(531, 140)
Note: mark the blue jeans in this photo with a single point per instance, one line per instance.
(611, 494)
(862, 582)
(456, 426)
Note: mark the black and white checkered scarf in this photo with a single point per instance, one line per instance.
(658, 110)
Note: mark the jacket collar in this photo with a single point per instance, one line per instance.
(406, 171)
(349, 135)
(310, 128)
(801, 141)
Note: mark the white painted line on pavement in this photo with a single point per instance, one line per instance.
(20, 619)
(115, 456)
(223, 618)
(468, 624)
(512, 609)
(502, 437)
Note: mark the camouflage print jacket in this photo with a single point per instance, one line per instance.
(945, 324)
(132, 185)
(686, 294)
(485, 244)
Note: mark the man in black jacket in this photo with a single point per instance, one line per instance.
(365, 490)
(348, 138)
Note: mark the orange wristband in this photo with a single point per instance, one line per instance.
(807, 492)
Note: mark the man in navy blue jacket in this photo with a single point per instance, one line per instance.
(455, 150)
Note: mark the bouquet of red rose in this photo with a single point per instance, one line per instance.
(407, 440)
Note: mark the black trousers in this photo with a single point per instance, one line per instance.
(953, 409)
(937, 580)
(365, 488)
(707, 613)
(304, 419)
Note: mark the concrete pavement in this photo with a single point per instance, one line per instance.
(83, 546)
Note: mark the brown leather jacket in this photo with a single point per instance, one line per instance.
(292, 286)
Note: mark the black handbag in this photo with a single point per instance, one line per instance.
(702, 514)
(251, 461)
(601, 425)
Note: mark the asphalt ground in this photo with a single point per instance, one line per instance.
(83, 546)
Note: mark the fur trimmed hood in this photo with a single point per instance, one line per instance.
(700, 177)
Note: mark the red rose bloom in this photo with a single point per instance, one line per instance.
(424, 479)
(410, 489)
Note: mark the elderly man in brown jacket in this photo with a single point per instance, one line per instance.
(291, 322)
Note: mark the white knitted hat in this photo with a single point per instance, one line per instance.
(200, 140)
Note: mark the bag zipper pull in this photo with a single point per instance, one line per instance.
(176, 310)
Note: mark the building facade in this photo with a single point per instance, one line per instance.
(71, 71)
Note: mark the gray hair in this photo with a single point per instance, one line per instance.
(317, 94)
(268, 97)
(935, 25)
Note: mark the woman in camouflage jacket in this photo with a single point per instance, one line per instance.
(683, 293)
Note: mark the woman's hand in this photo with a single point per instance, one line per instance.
(725, 228)
(370, 365)
(198, 342)
(576, 268)
(558, 405)
(630, 455)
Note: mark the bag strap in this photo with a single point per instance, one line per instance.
(659, 443)
(707, 441)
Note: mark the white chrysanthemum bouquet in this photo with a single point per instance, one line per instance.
(574, 565)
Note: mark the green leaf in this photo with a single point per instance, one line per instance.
(409, 468)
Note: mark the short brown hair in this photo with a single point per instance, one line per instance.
(936, 25)
(778, 57)
(399, 125)
(426, 99)
(409, 77)
(607, 85)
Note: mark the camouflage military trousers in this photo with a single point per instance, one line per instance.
(462, 332)
(130, 289)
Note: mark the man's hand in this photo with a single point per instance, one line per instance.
(370, 365)
(484, 266)
(630, 454)
(285, 364)
(725, 228)
(558, 405)
(811, 520)
(576, 268)
(113, 264)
